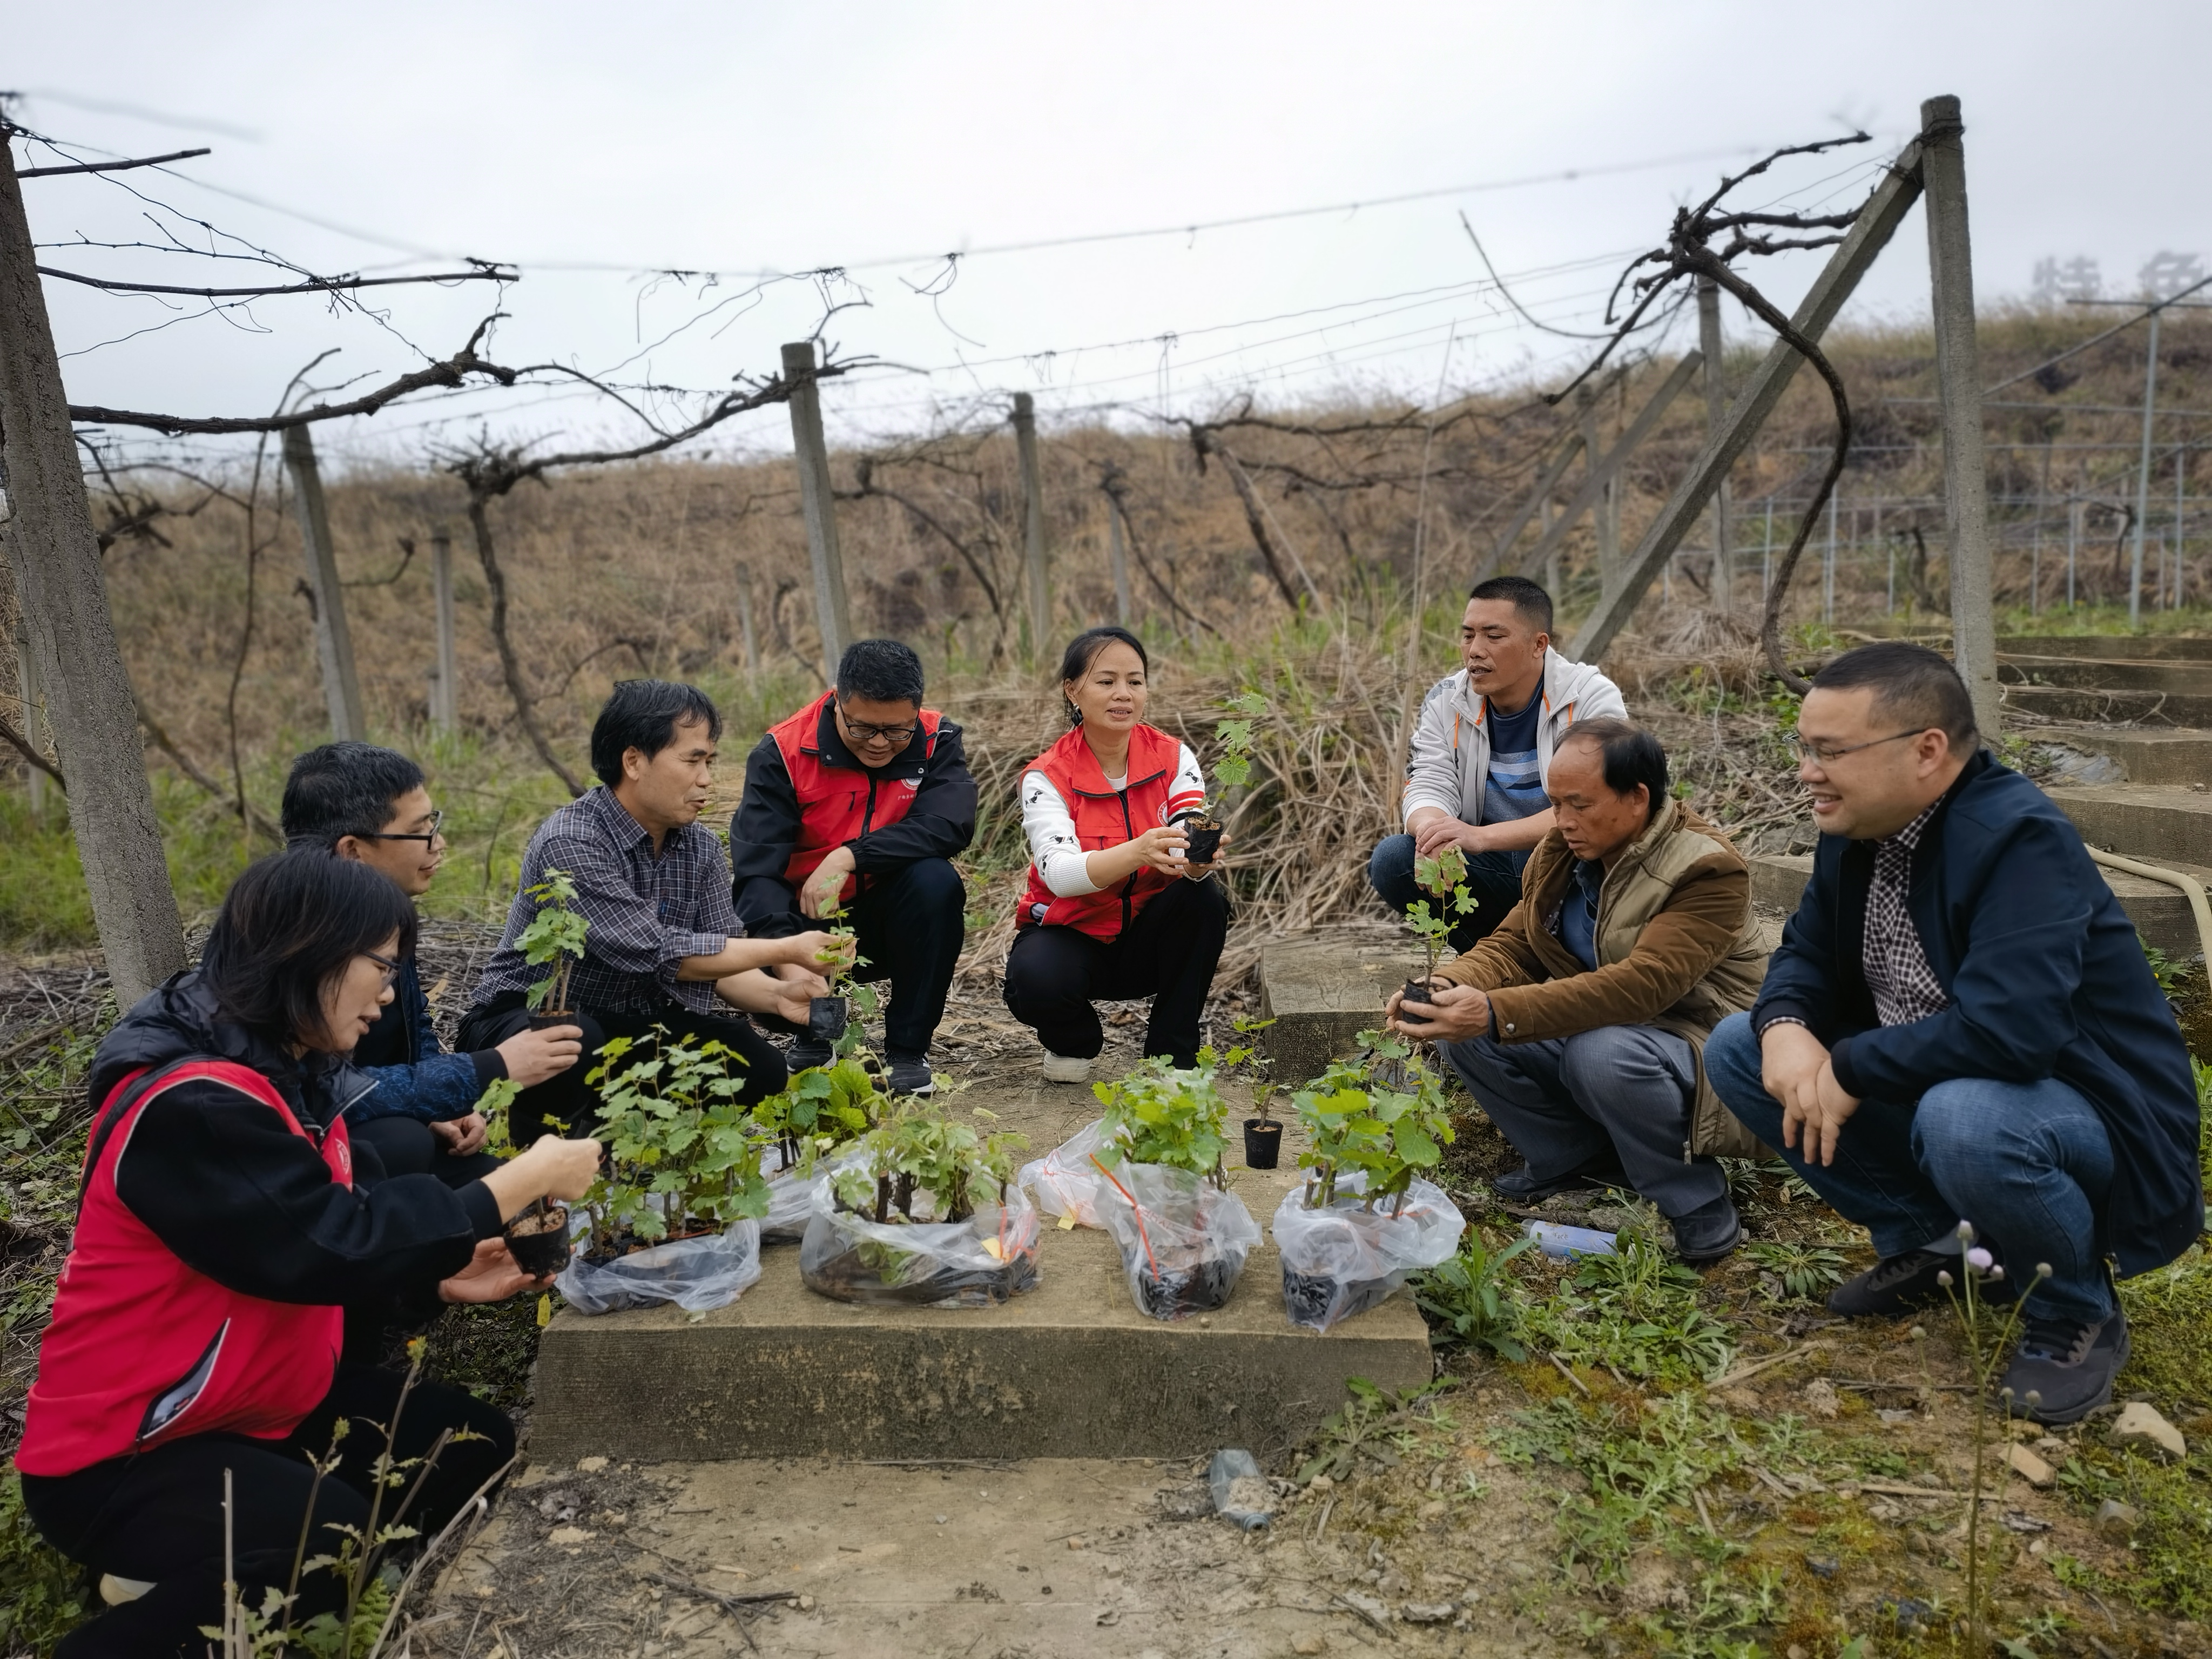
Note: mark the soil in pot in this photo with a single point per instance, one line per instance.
(846, 1277)
(826, 1018)
(1171, 1294)
(538, 1239)
(1263, 1143)
(1205, 840)
(1307, 1298)
(546, 1018)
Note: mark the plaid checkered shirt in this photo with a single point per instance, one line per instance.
(647, 914)
(1897, 971)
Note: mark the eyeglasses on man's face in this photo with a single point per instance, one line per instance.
(897, 735)
(427, 837)
(1821, 754)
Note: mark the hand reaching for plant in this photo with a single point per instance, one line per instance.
(819, 895)
(490, 1276)
(1452, 1014)
(550, 1168)
(821, 952)
(531, 1057)
(1160, 849)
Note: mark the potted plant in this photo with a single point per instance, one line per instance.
(1165, 1199)
(1444, 878)
(923, 1209)
(537, 1237)
(1263, 1135)
(1362, 1219)
(820, 1109)
(1232, 771)
(828, 1017)
(554, 937)
(672, 1216)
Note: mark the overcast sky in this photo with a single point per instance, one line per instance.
(595, 145)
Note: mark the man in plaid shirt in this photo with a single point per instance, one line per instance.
(1960, 1026)
(663, 947)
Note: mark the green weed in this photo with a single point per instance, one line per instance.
(43, 1594)
(1474, 1300)
(1636, 1312)
(1803, 1271)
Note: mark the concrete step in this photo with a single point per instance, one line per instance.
(2159, 913)
(2158, 822)
(2159, 709)
(1323, 989)
(1070, 1369)
(2108, 674)
(2146, 754)
(2111, 648)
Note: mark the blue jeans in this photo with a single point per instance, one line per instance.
(1493, 882)
(2028, 1164)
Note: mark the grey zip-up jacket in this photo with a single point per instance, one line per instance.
(1450, 755)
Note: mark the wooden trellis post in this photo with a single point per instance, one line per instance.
(831, 614)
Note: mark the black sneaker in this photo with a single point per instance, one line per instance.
(1522, 1186)
(1895, 1286)
(2064, 1370)
(910, 1075)
(811, 1051)
(1708, 1232)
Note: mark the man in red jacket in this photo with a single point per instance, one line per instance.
(859, 802)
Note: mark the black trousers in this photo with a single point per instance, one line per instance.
(566, 1104)
(1167, 953)
(406, 1145)
(158, 1515)
(908, 923)
(376, 1325)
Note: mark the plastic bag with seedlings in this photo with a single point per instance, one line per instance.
(1064, 1180)
(1183, 1241)
(790, 1199)
(989, 1257)
(709, 1270)
(1345, 1259)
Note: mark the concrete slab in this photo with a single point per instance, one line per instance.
(2146, 754)
(2149, 821)
(1323, 990)
(1069, 1370)
(2159, 913)
(2187, 678)
(2059, 702)
(2146, 647)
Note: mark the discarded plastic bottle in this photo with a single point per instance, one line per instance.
(1553, 1239)
(1241, 1492)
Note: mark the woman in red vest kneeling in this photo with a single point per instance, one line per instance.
(1113, 908)
(197, 1327)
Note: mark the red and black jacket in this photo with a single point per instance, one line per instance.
(807, 794)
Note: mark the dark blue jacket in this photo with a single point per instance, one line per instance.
(2046, 979)
(413, 1077)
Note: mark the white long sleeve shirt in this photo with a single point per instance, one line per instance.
(1059, 856)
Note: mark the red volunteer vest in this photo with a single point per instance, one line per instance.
(141, 1349)
(1106, 817)
(838, 804)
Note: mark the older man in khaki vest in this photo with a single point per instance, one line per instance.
(1580, 1023)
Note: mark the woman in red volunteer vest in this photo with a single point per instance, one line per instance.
(1113, 908)
(220, 1227)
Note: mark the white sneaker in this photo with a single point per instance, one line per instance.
(1065, 1068)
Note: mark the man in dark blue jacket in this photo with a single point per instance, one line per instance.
(1960, 1025)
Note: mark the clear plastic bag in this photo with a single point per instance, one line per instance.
(790, 1200)
(711, 1270)
(989, 1257)
(1183, 1241)
(1065, 1181)
(1344, 1259)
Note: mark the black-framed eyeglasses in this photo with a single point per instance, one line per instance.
(390, 967)
(1821, 754)
(427, 837)
(897, 735)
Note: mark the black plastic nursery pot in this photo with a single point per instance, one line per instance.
(1201, 1290)
(1419, 990)
(826, 1018)
(1205, 840)
(546, 1018)
(1308, 1297)
(1263, 1143)
(538, 1239)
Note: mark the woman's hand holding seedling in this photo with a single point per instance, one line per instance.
(1160, 849)
(549, 1168)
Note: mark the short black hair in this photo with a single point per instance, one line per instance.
(1913, 687)
(643, 715)
(343, 789)
(291, 924)
(882, 671)
(1083, 650)
(1526, 596)
(1631, 755)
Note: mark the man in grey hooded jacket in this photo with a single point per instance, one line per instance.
(1474, 777)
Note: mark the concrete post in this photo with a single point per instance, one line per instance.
(55, 552)
(1033, 526)
(446, 716)
(1709, 345)
(746, 620)
(831, 615)
(1119, 554)
(1828, 564)
(1600, 482)
(333, 640)
(1959, 378)
(2073, 545)
(2142, 475)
